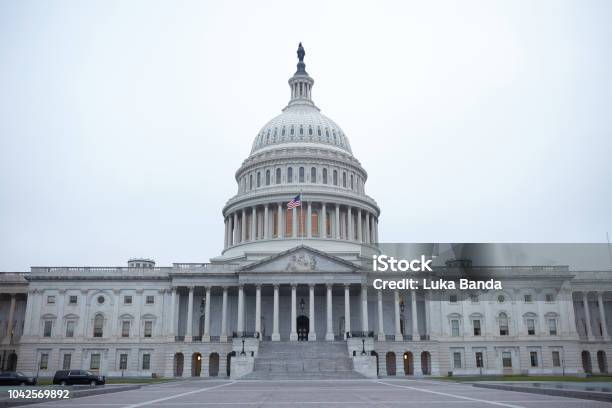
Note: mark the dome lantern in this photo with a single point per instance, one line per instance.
(301, 83)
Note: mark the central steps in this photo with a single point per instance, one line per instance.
(280, 360)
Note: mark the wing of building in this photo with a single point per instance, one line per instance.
(289, 295)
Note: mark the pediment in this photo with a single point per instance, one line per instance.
(302, 259)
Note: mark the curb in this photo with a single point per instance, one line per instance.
(73, 394)
(588, 395)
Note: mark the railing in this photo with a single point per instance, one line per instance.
(196, 339)
(245, 335)
(425, 337)
(360, 334)
(179, 338)
(205, 266)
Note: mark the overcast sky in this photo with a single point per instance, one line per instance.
(122, 123)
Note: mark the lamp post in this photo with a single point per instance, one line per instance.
(242, 353)
(363, 352)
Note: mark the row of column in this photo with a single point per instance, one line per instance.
(11, 319)
(293, 336)
(602, 316)
(348, 223)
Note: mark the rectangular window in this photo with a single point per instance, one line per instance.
(94, 363)
(146, 361)
(507, 359)
(552, 327)
(123, 361)
(73, 300)
(476, 327)
(150, 299)
(70, 328)
(457, 360)
(148, 328)
(127, 300)
(531, 327)
(44, 361)
(455, 328)
(479, 360)
(533, 356)
(528, 299)
(550, 297)
(556, 359)
(51, 299)
(503, 327)
(66, 362)
(474, 298)
(125, 328)
(452, 299)
(47, 329)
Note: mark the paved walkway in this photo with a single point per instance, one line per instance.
(333, 393)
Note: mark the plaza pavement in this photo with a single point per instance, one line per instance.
(332, 393)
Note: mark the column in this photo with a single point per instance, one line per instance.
(415, 322)
(206, 336)
(189, 315)
(347, 309)
(254, 224)
(367, 227)
(28, 312)
(329, 333)
(11, 316)
(224, 316)
(602, 316)
(308, 220)
(359, 226)
(398, 325)
(61, 302)
(275, 333)
(235, 236)
(381, 327)
(294, 224)
(243, 226)
(225, 233)
(364, 309)
(349, 226)
(266, 228)
(240, 325)
(281, 225)
(324, 218)
(258, 309)
(337, 223)
(587, 316)
(293, 335)
(172, 327)
(312, 334)
(82, 313)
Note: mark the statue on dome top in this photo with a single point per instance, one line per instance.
(301, 52)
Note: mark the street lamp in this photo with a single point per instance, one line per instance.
(402, 305)
(242, 353)
(302, 304)
(363, 352)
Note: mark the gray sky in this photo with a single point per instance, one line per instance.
(122, 122)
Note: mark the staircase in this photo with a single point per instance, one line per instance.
(280, 360)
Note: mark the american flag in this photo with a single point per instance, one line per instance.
(296, 202)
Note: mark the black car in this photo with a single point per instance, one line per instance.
(77, 377)
(16, 378)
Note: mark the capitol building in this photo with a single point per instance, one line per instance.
(291, 295)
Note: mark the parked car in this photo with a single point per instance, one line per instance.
(74, 377)
(16, 378)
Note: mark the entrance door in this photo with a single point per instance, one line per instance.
(303, 327)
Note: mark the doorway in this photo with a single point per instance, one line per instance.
(213, 365)
(196, 365)
(303, 327)
(408, 364)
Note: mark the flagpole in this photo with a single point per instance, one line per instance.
(302, 216)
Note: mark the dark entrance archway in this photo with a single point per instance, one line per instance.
(375, 354)
(11, 364)
(196, 365)
(390, 360)
(586, 362)
(213, 364)
(178, 364)
(602, 362)
(426, 363)
(228, 368)
(408, 364)
(303, 327)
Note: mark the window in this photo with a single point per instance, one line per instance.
(278, 176)
(51, 299)
(324, 176)
(150, 299)
(476, 324)
(552, 327)
(127, 300)
(301, 174)
(479, 360)
(146, 361)
(258, 179)
(250, 182)
(123, 361)
(556, 358)
(474, 298)
(148, 328)
(550, 297)
(531, 327)
(352, 184)
(267, 177)
(455, 328)
(290, 175)
(66, 362)
(533, 357)
(503, 324)
(452, 298)
(344, 179)
(73, 300)
(44, 361)
(98, 326)
(313, 175)
(501, 298)
(70, 325)
(528, 299)
(94, 363)
(100, 299)
(47, 328)
(335, 177)
(125, 328)
(457, 359)
(507, 359)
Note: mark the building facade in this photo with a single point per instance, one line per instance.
(298, 275)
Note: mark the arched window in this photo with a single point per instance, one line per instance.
(258, 179)
(503, 324)
(290, 175)
(301, 174)
(267, 177)
(352, 185)
(313, 175)
(344, 179)
(98, 327)
(328, 222)
(250, 182)
(278, 176)
(324, 176)
(335, 178)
